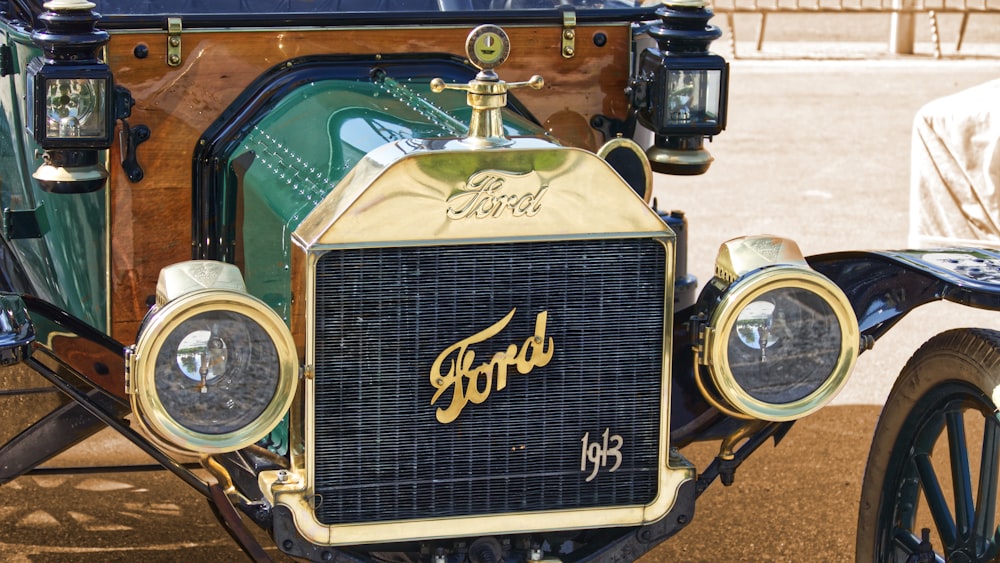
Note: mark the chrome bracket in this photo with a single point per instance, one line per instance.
(568, 34)
(174, 29)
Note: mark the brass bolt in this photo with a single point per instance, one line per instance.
(175, 59)
(569, 34)
(568, 51)
(175, 41)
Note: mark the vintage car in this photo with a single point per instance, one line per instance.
(394, 308)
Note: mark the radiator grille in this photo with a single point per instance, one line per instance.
(383, 315)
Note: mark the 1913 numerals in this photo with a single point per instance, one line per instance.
(594, 455)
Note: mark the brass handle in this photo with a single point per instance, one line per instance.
(438, 86)
(536, 82)
(479, 86)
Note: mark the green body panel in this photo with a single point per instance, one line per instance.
(308, 142)
(68, 264)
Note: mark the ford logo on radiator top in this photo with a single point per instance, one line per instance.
(471, 382)
(491, 193)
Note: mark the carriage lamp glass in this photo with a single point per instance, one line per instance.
(782, 343)
(685, 96)
(215, 371)
(70, 106)
(693, 101)
(74, 108)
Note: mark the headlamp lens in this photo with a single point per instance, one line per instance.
(785, 345)
(217, 372)
(74, 107)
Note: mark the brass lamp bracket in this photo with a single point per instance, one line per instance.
(729, 443)
(487, 48)
(174, 28)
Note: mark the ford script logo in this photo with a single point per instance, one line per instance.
(456, 368)
(491, 193)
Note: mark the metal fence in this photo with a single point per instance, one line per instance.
(901, 11)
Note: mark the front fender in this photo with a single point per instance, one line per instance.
(883, 286)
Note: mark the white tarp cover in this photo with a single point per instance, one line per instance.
(955, 170)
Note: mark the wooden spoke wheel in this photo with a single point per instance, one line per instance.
(930, 487)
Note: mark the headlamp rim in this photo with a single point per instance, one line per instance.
(722, 322)
(146, 403)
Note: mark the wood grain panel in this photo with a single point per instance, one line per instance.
(151, 220)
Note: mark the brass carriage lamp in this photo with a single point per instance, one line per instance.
(681, 89)
(70, 98)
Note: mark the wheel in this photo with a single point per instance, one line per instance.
(930, 487)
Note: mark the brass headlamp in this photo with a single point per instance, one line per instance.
(213, 369)
(680, 92)
(776, 339)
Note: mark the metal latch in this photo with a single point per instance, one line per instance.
(129, 366)
(703, 337)
(6, 60)
(569, 34)
(174, 28)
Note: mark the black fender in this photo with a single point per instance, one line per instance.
(87, 361)
(883, 286)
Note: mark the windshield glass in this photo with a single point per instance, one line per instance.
(181, 7)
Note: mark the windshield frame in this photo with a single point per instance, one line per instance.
(29, 10)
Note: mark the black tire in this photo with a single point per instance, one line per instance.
(947, 385)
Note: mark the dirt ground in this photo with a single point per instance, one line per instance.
(796, 502)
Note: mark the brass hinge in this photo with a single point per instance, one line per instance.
(174, 29)
(569, 34)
